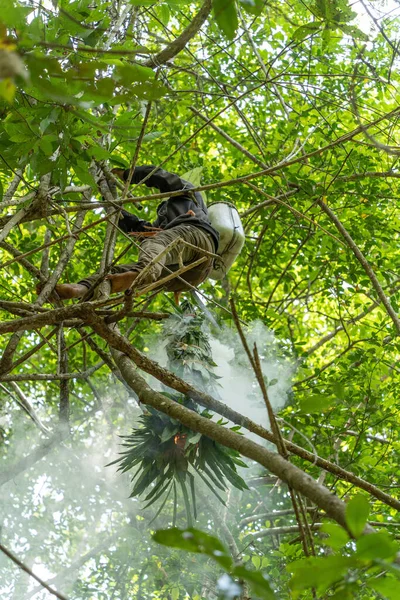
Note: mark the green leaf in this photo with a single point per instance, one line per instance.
(389, 588)
(338, 536)
(316, 404)
(253, 7)
(153, 135)
(305, 30)
(326, 37)
(318, 573)
(47, 144)
(175, 593)
(357, 511)
(376, 545)
(13, 14)
(225, 14)
(194, 437)
(194, 540)
(322, 8)
(193, 176)
(126, 74)
(353, 31)
(258, 582)
(51, 118)
(7, 90)
(141, 2)
(338, 390)
(164, 14)
(83, 175)
(169, 431)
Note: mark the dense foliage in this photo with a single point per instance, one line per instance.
(288, 110)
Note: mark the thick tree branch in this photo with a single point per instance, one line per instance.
(290, 474)
(118, 342)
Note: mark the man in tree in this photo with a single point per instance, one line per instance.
(184, 216)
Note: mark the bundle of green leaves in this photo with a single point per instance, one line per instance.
(166, 454)
(188, 348)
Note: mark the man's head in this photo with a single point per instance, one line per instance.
(118, 172)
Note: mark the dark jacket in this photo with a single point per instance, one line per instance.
(173, 211)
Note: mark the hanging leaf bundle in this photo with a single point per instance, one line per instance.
(165, 454)
(188, 349)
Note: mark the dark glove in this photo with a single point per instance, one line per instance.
(128, 222)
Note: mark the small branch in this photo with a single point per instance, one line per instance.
(8, 195)
(180, 42)
(233, 142)
(52, 376)
(369, 174)
(27, 570)
(22, 261)
(62, 369)
(282, 530)
(7, 356)
(26, 406)
(364, 263)
(90, 50)
(62, 262)
(164, 280)
(326, 338)
(296, 212)
(137, 149)
(272, 200)
(44, 266)
(81, 560)
(270, 516)
(112, 318)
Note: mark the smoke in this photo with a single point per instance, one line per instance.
(67, 515)
(237, 384)
(67, 490)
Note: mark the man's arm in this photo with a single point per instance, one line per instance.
(160, 179)
(131, 223)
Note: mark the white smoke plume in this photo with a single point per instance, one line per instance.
(70, 489)
(238, 387)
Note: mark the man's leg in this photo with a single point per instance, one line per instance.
(123, 276)
(150, 248)
(200, 240)
(66, 291)
(179, 254)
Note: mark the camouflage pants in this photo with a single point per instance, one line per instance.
(151, 247)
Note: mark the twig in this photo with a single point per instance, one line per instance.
(27, 570)
(364, 263)
(24, 403)
(137, 149)
(161, 282)
(180, 42)
(62, 369)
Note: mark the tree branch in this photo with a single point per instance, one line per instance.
(180, 42)
(364, 263)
